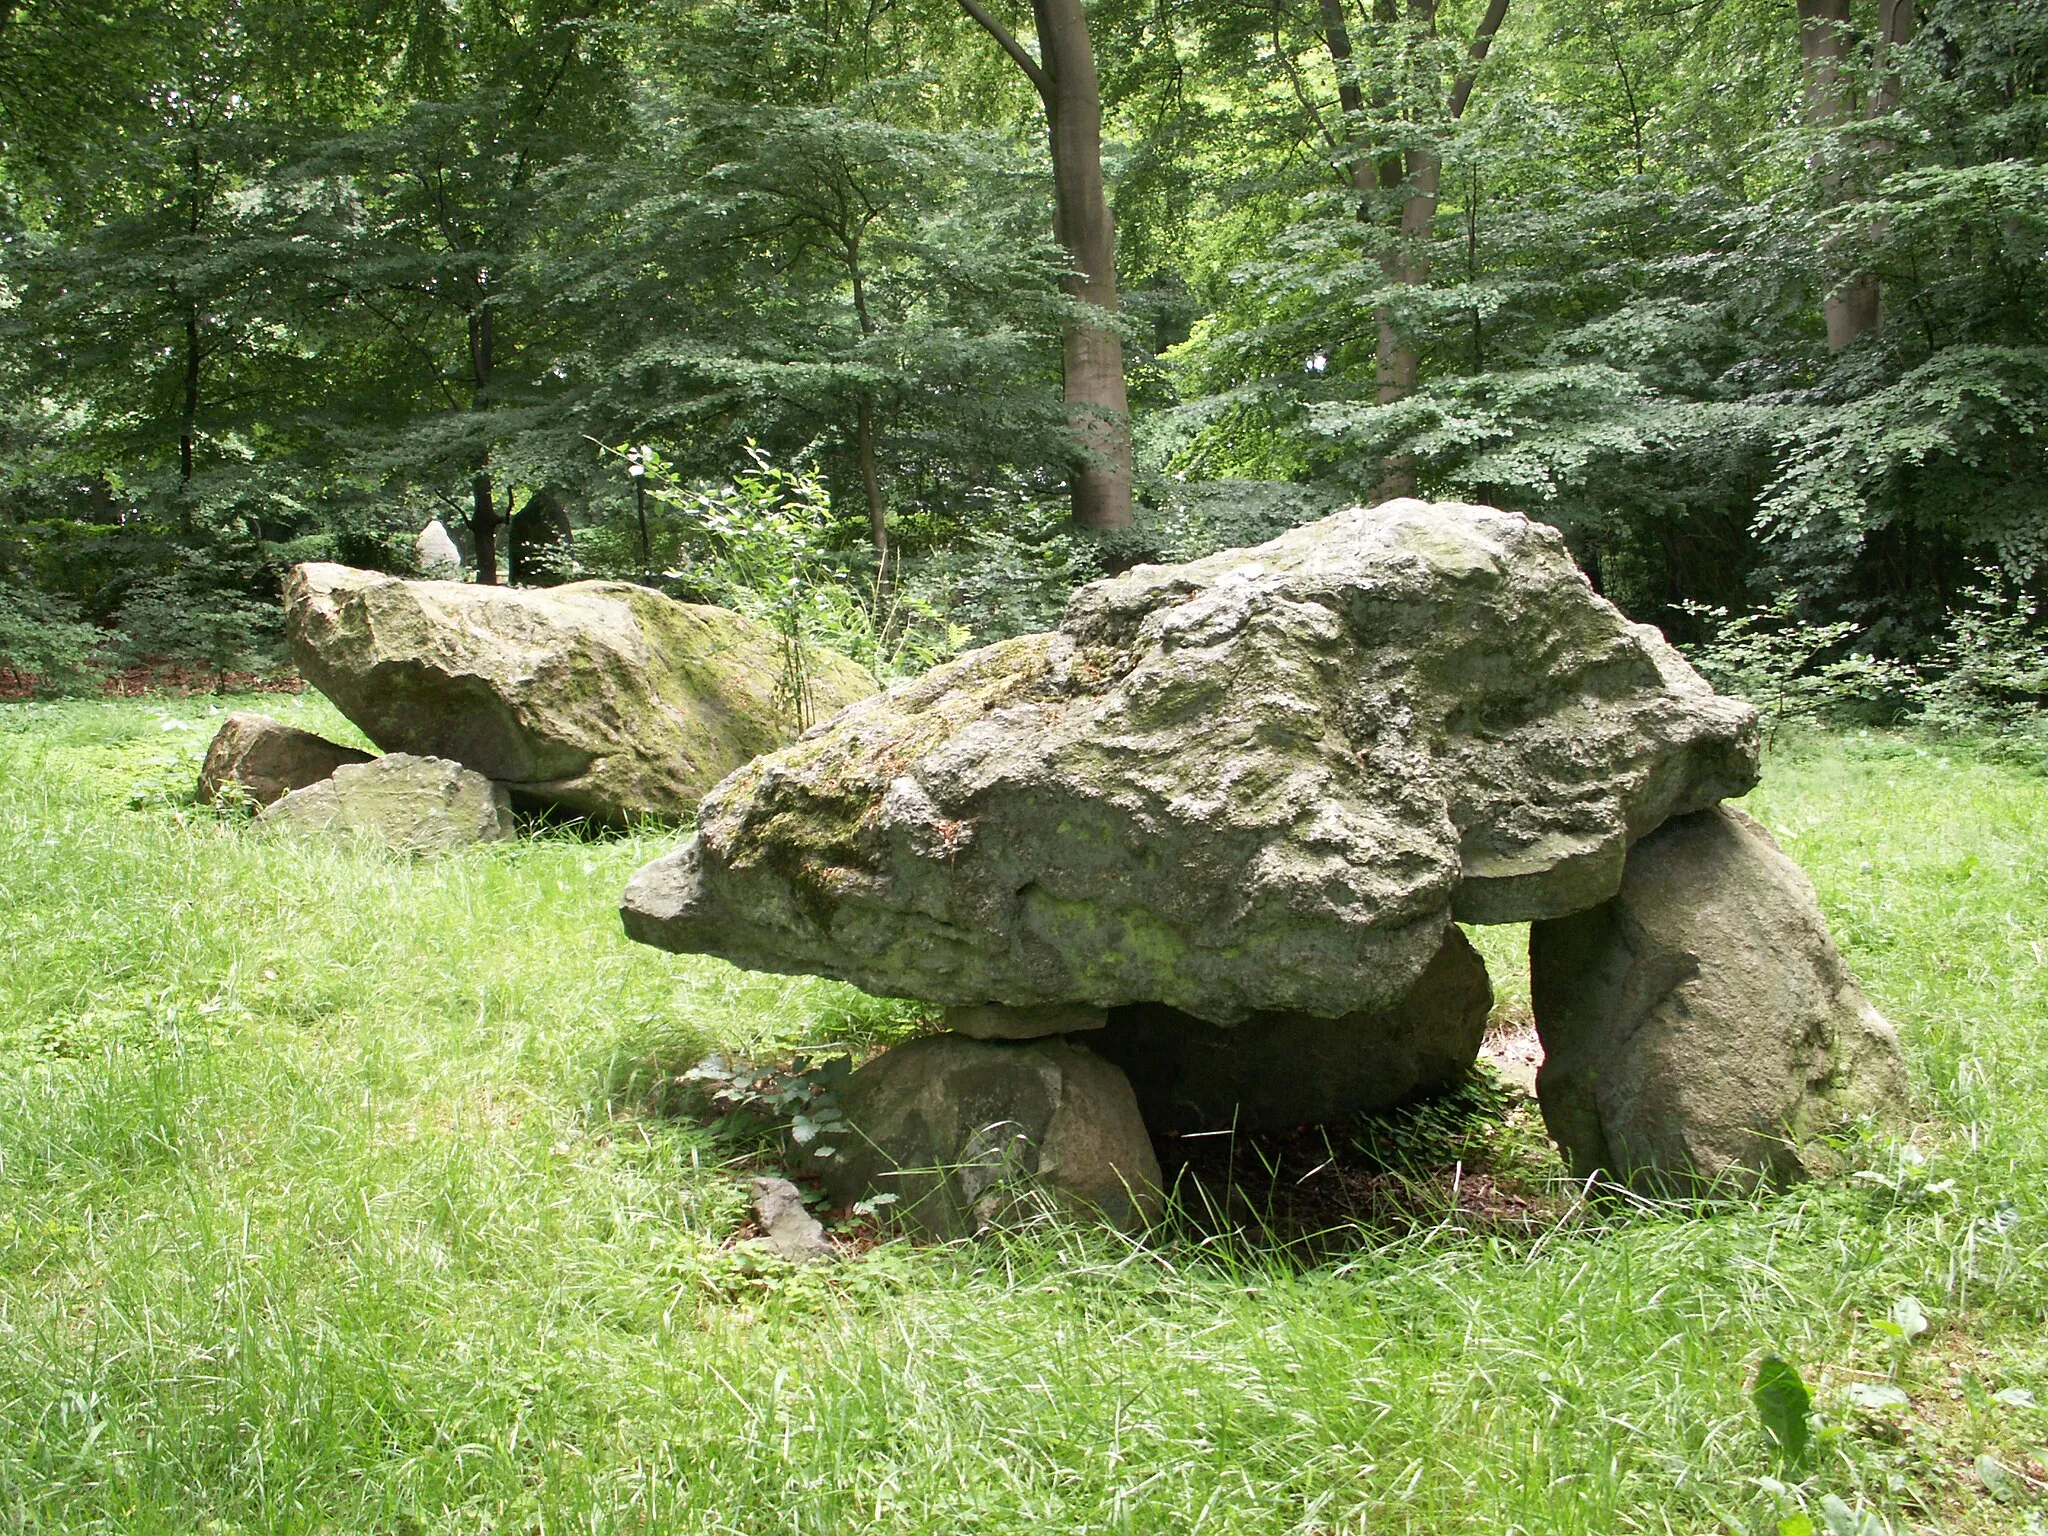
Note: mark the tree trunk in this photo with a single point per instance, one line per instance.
(1858, 305)
(864, 430)
(188, 418)
(1098, 409)
(483, 525)
(1823, 50)
(871, 487)
(483, 516)
(1416, 177)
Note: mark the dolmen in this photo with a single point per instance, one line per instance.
(598, 698)
(1196, 860)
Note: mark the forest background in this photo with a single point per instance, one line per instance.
(1749, 297)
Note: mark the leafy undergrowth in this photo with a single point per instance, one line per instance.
(337, 1193)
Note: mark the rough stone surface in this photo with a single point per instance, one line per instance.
(992, 1021)
(1258, 782)
(1276, 1070)
(416, 804)
(1701, 1026)
(267, 759)
(968, 1134)
(435, 550)
(600, 697)
(788, 1230)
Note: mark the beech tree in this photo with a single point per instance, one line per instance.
(1405, 178)
(1829, 49)
(1064, 75)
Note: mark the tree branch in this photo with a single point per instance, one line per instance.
(1482, 40)
(1033, 70)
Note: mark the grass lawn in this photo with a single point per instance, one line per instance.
(333, 1198)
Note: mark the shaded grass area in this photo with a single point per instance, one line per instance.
(330, 1201)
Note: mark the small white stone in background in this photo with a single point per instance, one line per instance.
(439, 559)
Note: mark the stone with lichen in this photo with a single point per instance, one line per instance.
(1700, 1030)
(958, 1136)
(417, 805)
(263, 759)
(599, 697)
(1263, 781)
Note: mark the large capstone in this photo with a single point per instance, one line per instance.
(1701, 1028)
(264, 759)
(420, 805)
(1275, 1070)
(1261, 782)
(956, 1135)
(599, 697)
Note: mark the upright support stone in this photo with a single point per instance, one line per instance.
(1276, 1070)
(1700, 1028)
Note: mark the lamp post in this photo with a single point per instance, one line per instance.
(638, 471)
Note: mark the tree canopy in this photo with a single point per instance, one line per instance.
(1748, 298)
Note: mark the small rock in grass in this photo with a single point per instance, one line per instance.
(419, 805)
(266, 759)
(787, 1229)
(950, 1136)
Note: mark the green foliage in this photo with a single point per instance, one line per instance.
(42, 637)
(753, 1104)
(187, 622)
(1984, 675)
(1989, 673)
(1782, 1405)
(763, 543)
(769, 532)
(1791, 669)
(279, 283)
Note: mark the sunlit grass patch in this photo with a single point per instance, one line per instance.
(346, 1192)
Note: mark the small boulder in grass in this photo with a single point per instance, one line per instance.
(266, 759)
(788, 1230)
(419, 805)
(948, 1136)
